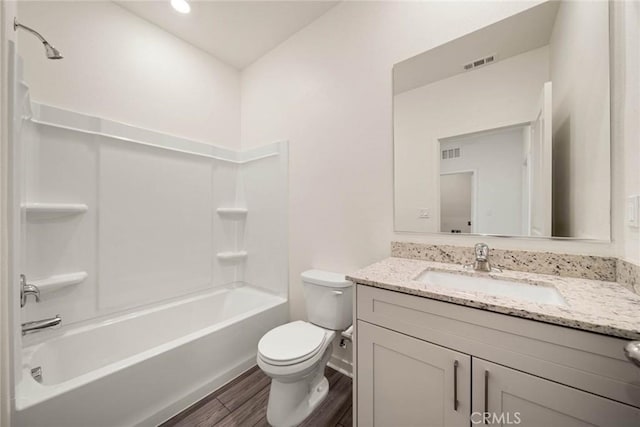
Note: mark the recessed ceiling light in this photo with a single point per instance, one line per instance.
(181, 6)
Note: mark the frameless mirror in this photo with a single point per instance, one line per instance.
(506, 131)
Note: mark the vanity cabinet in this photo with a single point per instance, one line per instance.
(526, 400)
(404, 381)
(416, 356)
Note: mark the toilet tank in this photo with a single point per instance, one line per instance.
(328, 297)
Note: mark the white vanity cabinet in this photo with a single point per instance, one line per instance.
(404, 381)
(529, 401)
(416, 356)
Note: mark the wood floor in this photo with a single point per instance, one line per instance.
(243, 402)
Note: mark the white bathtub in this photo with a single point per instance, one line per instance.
(142, 368)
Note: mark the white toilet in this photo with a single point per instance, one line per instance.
(294, 355)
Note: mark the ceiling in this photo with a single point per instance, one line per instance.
(517, 34)
(236, 32)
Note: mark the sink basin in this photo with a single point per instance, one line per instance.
(501, 288)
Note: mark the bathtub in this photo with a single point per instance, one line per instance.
(141, 368)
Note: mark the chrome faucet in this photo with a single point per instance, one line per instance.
(39, 325)
(481, 262)
(26, 290)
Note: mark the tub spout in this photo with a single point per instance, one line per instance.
(39, 325)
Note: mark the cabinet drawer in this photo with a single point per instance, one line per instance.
(584, 360)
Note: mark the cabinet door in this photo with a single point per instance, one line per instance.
(405, 382)
(511, 397)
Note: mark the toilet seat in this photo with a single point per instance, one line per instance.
(291, 343)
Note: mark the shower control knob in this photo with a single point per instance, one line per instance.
(632, 351)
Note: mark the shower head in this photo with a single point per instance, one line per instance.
(51, 52)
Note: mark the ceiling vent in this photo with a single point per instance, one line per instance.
(480, 62)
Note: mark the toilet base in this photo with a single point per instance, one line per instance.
(290, 403)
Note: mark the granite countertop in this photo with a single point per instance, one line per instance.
(592, 305)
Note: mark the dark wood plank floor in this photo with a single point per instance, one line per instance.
(243, 403)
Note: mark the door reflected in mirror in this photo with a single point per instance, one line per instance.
(457, 202)
(505, 131)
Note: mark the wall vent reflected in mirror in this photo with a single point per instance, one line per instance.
(450, 153)
(480, 62)
(521, 145)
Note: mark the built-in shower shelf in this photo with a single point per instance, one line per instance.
(232, 256)
(59, 281)
(54, 209)
(233, 213)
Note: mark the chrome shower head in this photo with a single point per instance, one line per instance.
(51, 52)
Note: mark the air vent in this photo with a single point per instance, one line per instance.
(480, 62)
(451, 153)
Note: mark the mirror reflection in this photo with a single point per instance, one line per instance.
(506, 130)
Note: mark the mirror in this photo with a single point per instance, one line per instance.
(506, 131)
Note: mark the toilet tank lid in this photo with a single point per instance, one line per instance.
(326, 278)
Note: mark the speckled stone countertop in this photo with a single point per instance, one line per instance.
(592, 305)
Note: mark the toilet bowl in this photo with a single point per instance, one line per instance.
(294, 355)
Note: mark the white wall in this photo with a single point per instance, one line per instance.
(501, 94)
(579, 66)
(327, 90)
(496, 159)
(121, 67)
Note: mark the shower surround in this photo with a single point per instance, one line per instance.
(166, 259)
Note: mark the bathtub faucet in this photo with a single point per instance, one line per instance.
(39, 325)
(26, 290)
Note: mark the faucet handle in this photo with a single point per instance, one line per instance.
(482, 251)
(26, 290)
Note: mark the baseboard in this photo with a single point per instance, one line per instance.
(341, 365)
